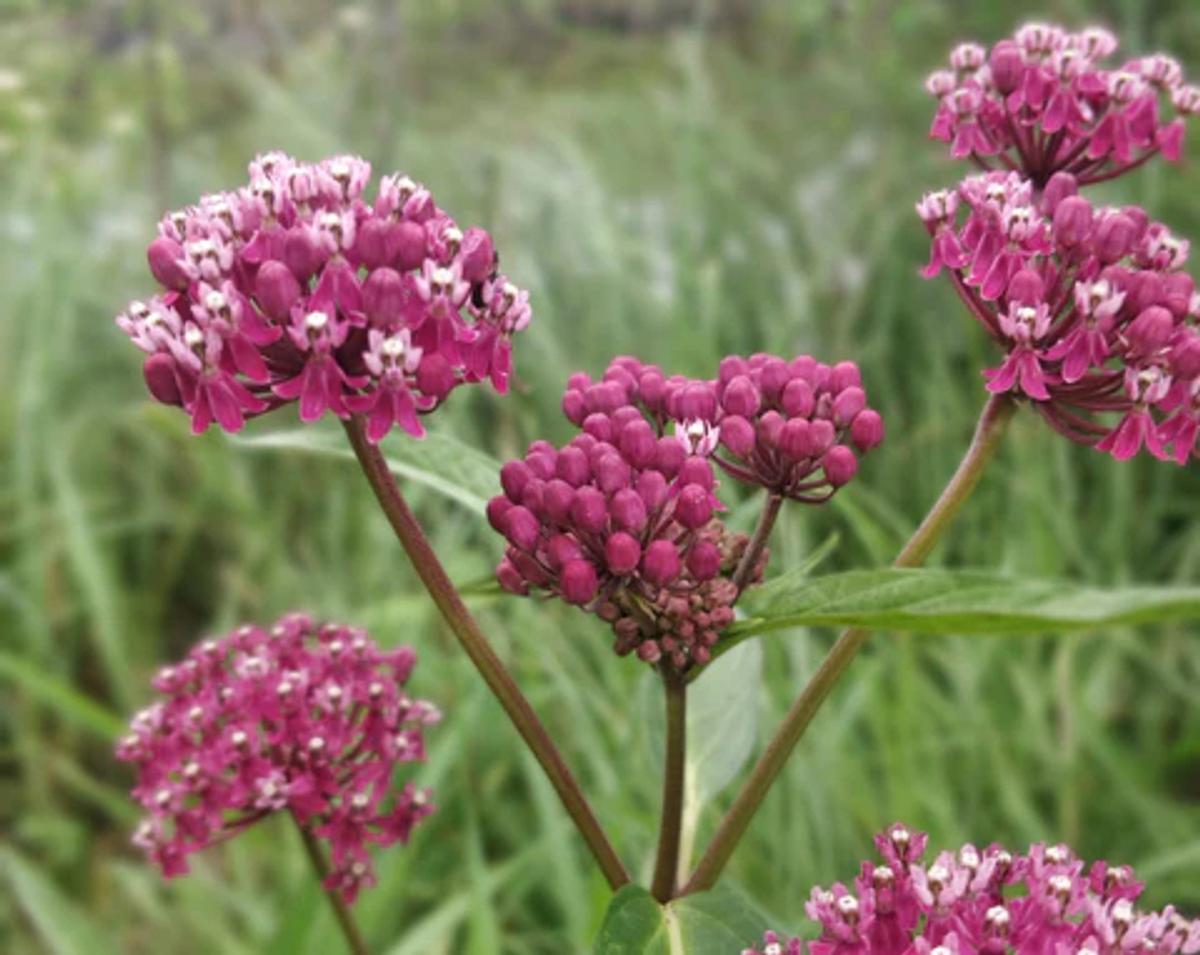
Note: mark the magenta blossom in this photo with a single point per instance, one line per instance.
(793, 427)
(308, 718)
(986, 902)
(1097, 320)
(295, 288)
(1043, 101)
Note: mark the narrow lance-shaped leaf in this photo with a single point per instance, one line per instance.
(955, 601)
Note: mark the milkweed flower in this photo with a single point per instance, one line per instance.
(296, 288)
(795, 427)
(1044, 101)
(1093, 310)
(311, 719)
(985, 902)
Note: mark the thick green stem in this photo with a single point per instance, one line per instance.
(433, 575)
(666, 864)
(354, 939)
(766, 521)
(988, 432)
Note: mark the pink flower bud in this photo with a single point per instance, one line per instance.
(1150, 331)
(159, 372)
(823, 434)
(843, 375)
(589, 512)
(1177, 293)
(560, 549)
(1143, 289)
(652, 489)
(704, 560)
(696, 470)
(693, 509)
(1114, 237)
(574, 407)
(730, 367)
(572, 466)
(497, 509)
(276, 288)
(557, 498)
(638, 443)
(599, 426)
(527, 564)
(741, 397)
(737, 434)
(302, 253)
(775, 376)
(510, 578)
(1026, 288)
(579, 581)
(477, 254)
(651, 387)
(1073, 223)
(694, 400)
(622, 553)
(375, 243)
(866, 431)
(409, 238)
(660, 563)
(769, 426)
(840, 465)
(628, 510)
(164, 254)
(669, 455)
(521, 527)
(513, 478)
(796, 440)
(435, 376)
(648, 652)
(1007, 66)
(848, 404)
(1061, 186)
(1185, 356)
(797, 399)
(383, 297)
(612, 473)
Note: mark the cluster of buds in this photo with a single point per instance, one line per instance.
(623, 519)
(1042, 102)
(1097, 318)
(308, 718)
(293, 287)
(986, 902)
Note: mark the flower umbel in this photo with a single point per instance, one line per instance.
(1093, 310)
(295, 288)
(1043, 101)
(302, 717)
(978, 901)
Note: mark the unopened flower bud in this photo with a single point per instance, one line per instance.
(1114, 237)
(159, 372)
(622, 553)
(628, 510)
(737, 434)
(164, 255)
(383, 296)
(741, 397)
(796, 440)
(704, 560)
(589, 512)
(1150, 331)
(1060, 186)
(660, 563)
(1007, 66)
(276, 288)
(521, 527)
(1073, 223)
(1026, 288)
(694, 507)
(797, 399)
(866, 430)
(579, 581)
(840, 465)
(477, 254)
(410, 245)
(696, 470)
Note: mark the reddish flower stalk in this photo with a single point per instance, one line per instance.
(986, 902)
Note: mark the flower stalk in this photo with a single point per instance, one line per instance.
(444, 594)
(666, 864)
(766, 523)
(350, 930)
(992, 424)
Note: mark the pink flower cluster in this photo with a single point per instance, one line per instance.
(308, 718)
(1042, 102)
(295, 288)
(1091, 305)
(623, 519)
(986, 902)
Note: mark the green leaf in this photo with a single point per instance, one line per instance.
(956, 601)
(455, 470)
(62, 698)
(720, 922)
(63, 928)
(721, 720)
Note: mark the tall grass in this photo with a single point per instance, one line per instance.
(680, 194)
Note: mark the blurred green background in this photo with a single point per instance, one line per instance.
(675, 178)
